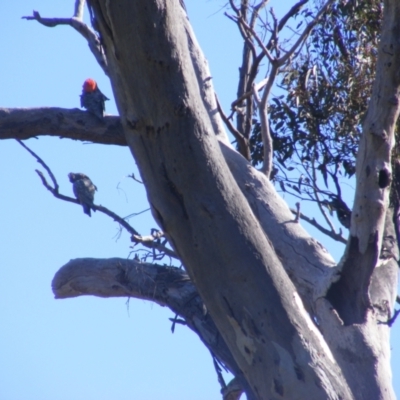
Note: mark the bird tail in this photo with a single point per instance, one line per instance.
(86, 209)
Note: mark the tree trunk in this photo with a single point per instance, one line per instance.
(239, 269)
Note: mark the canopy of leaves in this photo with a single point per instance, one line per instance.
(316, 124)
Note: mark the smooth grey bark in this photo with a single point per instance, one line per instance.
(374, 175)
(197, 202)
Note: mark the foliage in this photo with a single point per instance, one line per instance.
(317, 122)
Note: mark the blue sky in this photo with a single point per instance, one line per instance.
(88, 348)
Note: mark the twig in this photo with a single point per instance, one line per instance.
(319, 202)
(77, 23)
(243, 143)
(132, 175)
(276, 63)
(259, 86)
(295, 9)
(265, 49)
(296, 219)
(42, 163)
(175, 321)
(259, 42)
(335, 236)
(152, 242)
(55, 193)
(305, 33)
(147, 241)
(218, 370)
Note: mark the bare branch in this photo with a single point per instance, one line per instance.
(306, 32)
(167, 286)
(318, 200)
(234, 8)
(244, 117)
(54, 191)
(265, 131)
(79, 8)
(297, 217)
(245, 36)
(332, 234)
(294, 10)
(132, 175)
(100, 208)
(259, 42)
(243, 143)
(42, 163)
(77, 23)
(259, 86)
(153, 242)
(25, 123)
(259, 58)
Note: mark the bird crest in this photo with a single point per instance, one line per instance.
(92, 99)
(89, 85)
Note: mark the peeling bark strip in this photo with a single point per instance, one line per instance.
(210, 223)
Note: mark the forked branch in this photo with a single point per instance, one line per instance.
(151, 242)
(76, 22)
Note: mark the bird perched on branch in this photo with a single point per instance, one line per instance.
(84, 190)
(92, 99)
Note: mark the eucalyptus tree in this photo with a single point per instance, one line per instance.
(263, 295)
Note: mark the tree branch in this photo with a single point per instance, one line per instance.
(77, 23)
(25, 123)
(166, 286)
(305, 33)
(243, 143)
(79, 8)
(333, 235)
(373, 177)
(151, 242)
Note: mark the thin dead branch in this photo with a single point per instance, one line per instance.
(151, 242)
(306, 32)
(77, 23)
(42, 163)
(243, 143)
(332, 234)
